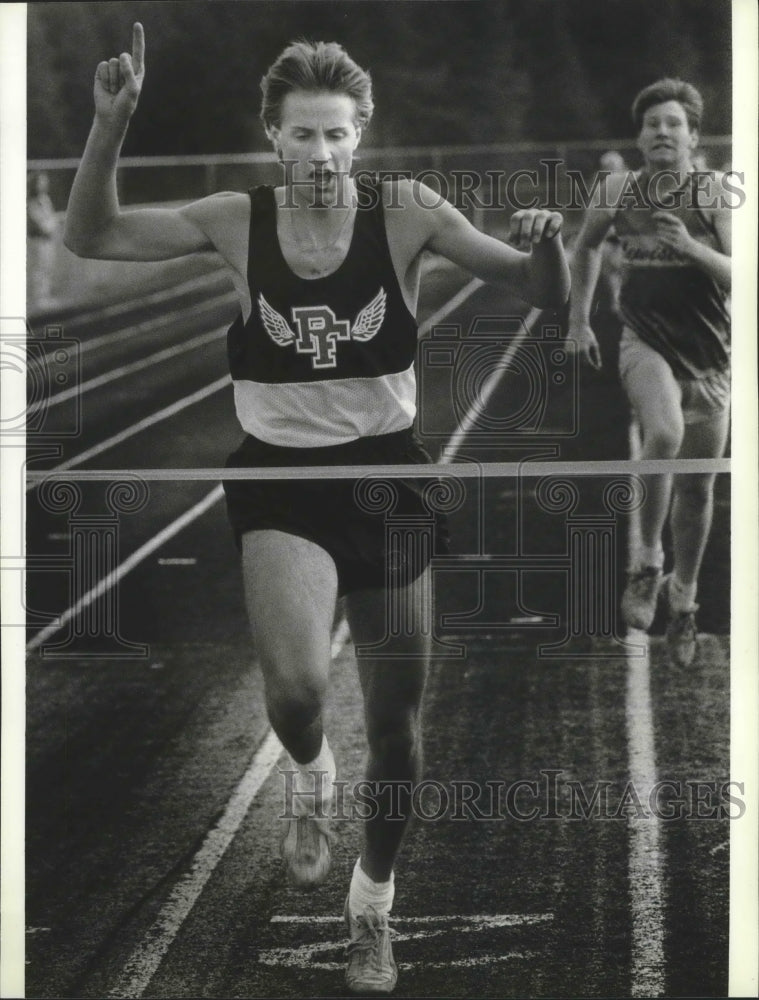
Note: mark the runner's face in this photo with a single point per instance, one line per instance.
(317, 138)
(665, 139)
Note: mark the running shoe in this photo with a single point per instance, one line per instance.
(306, 850)
(640, 597)
(371, 966)
(682, 635)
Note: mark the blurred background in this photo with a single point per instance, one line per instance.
(444, 73)
(477, 85)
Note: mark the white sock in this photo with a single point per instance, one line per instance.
(365, 892)
(682, 596)
(650, 555)
(316, 789)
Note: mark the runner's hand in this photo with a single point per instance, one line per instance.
(119, 80)
(582, 340)
(529, 226)
(672, 232)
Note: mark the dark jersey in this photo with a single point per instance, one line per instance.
(327, 360)
(674, 306)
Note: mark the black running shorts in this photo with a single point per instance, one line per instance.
(380, 531)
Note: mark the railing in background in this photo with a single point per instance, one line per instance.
(472, 177)
(178, 178)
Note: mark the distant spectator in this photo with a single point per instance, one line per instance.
(612, 161)
(610, 278)
(41, 230)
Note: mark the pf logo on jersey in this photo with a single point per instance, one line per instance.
(317, 329)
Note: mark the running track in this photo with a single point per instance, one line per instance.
(152, 782)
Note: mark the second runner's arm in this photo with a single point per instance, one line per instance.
(587, 260)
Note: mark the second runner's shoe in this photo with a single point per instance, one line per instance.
(640, 597)
(682, 635)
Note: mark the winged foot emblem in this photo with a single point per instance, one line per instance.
(316, 330)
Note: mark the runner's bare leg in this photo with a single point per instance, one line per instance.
(393, 687)
(656, 399)
(693, 496)
(290, 592)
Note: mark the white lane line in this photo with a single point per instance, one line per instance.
(138, 556)
(152, 298)
(163, 414)
(488, 389)
(302, 956)
(144, 961)
(467, 963)
(151, 326)
(476, 919)
(135, 366)
(645, 860)
(147, 956)
(111, 579)
(448, 307)
(492, 383)
(433, 926)
(141, 425)
(645, 864)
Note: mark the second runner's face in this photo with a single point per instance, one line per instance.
(317, 138)
(665, 139)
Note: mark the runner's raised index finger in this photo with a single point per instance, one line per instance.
(138, 48)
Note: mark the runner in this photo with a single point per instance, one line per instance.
(41, 230)
(674, 228)
(322, 359)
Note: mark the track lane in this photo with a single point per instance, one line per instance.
(239, 903)
(60, 953)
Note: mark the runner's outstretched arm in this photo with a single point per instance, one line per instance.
(586, 268)
(543, 262)
(587, 259)
(535, 266)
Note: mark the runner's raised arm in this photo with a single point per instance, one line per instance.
(95, 224)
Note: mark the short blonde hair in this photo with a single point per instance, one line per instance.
(316, 67)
